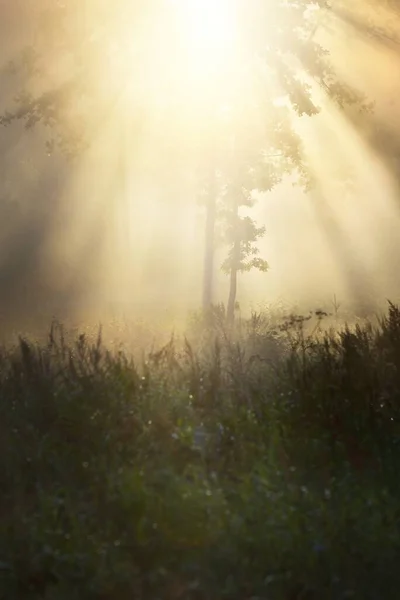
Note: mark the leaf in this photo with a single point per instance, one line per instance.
(255, 263)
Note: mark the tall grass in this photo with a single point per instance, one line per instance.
(256, 464)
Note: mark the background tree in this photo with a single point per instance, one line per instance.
(284, 67)
(281, 64)
(242, 237)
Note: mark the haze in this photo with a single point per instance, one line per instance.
(118, 232)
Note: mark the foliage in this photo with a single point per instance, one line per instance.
(248, 233)
(262, 463)
(243, 131)
(258, 145)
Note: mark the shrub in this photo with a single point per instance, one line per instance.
(259, 463)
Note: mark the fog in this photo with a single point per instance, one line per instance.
(118, 233)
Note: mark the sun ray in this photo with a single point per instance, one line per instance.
(210, 27)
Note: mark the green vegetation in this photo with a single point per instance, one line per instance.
(260, 464)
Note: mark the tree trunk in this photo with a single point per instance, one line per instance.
(230, 313)
(209, 251)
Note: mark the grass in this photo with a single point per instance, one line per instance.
(255, 465)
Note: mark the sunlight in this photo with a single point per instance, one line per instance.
(210, 26)
(183, 51)
(208, 60)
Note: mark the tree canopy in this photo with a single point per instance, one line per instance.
(233, 120)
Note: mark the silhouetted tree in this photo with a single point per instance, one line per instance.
(282, 62)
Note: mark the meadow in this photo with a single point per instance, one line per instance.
(254, 464)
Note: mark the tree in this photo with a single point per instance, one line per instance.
(242, 237)
(286, 63)
(373, 19)
(281, 63)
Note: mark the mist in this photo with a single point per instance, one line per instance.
(118, 232)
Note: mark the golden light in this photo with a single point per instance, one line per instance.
(182, 51)
(211, 28)
(174, 81)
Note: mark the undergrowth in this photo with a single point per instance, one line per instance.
(260, 464)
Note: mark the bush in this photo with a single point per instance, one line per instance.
(259, 463)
